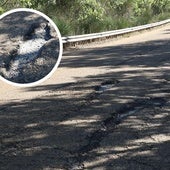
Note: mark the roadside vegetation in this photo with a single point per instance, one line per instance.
(88, 16)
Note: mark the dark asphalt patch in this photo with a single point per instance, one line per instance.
(109, 124)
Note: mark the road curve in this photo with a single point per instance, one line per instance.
(106, 107)
(68, 74)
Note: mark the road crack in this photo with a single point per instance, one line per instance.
(109, 125)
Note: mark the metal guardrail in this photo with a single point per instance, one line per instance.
(86, 37)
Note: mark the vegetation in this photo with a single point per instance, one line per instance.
(88, 16)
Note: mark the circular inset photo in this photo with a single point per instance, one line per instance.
(30, 47)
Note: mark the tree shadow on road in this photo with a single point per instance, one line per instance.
(141, 54)
(55, 131)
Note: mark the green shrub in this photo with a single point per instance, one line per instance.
(64, 26)
(1, 10)
(89, 16)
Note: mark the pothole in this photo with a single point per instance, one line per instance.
(29, 59)
(28, 50)
(106, 85)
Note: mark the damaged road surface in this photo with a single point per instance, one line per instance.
(105, 108)
(29, 47)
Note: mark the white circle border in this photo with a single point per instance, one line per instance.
(60, 47)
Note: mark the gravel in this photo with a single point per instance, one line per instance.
(22, 58)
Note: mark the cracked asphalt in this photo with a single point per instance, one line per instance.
(106, 107)
(29, 47)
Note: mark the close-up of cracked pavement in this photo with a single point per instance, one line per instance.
(105, 108)
(29, 47)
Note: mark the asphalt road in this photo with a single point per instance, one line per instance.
(106, 107)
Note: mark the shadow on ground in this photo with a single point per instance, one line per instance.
(53, 131)
(14, 25)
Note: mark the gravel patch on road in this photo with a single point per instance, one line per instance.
(27, 45)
